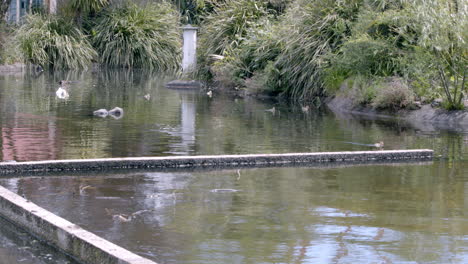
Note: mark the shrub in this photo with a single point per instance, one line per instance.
(318, 27)
(228, 25)
(393, 93)
(442, 26)
(361, 90)
(139, 37)
(53, 42)
(260, 47)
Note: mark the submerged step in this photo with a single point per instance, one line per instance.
(250, 160)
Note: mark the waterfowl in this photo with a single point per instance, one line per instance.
(64, 82)
(116, 112)
(209, 93)
(379, 144)
(271, 110)
(305, 108)
(62, 93)
(147, 97)
(101, 113)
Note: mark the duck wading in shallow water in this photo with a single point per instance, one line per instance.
(101, 113)
(62, 92)
(378, 145)
(115, 112)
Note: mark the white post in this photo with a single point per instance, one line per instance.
(18, 11)
(189, 56)
(52, 7)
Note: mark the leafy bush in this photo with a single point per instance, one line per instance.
(318, 27)
(443, 32)
(228, 25)
(359, 89)
(393, 93)
(260, 48)
(139, 37)
(53, 42)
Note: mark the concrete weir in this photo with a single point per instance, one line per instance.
(224, 161)
(60, 233)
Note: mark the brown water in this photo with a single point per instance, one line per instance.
(400, 213)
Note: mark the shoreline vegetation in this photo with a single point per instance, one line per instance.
(385, 55)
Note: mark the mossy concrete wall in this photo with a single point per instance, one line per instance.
(60, 233)
(212, 161)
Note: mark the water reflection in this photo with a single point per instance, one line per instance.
(35, 125)
(368, 214)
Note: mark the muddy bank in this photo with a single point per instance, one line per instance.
(426, 118)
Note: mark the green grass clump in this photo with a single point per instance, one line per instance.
(131, 36)
(53, 42)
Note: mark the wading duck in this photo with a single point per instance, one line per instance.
(116, 112)
(62, 93)
(379, 144)
(101, 113)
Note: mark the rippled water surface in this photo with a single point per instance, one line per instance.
(381, 213)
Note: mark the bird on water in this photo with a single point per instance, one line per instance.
(62, 92)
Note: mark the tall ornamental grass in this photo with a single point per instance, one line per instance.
(131, 36)
(54, 42)
(225, 30)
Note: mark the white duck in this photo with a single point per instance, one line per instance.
(101, 113)
(116, 112)
(62, 93)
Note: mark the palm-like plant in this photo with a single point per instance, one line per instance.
(55, 42)
(139, 37)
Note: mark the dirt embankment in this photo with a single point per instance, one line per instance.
(431, 118)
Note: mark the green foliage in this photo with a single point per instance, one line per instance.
(394, 94)
(53, 42)
(364, 55)
(443, 30)
(139, 37)
(228, 25)
(260, 48)
(194, 11)
(361, 90)
(87, 6)
(318, 27)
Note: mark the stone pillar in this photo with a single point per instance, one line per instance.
(18, 11)
(53, 7)
(189, 56)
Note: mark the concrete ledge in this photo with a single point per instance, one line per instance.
(184, 85)
(60, 233)
(225, 161)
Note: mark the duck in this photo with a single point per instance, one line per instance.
(101, 113)
(64, 82)
(305, 109)
(116, 112)
(210, 93)
(271, 110)
(147, 97)
(379, 144)
(62, 93)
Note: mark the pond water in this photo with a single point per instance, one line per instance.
(388, 213)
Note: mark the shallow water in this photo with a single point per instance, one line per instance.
(391, 213)
(17, 247)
